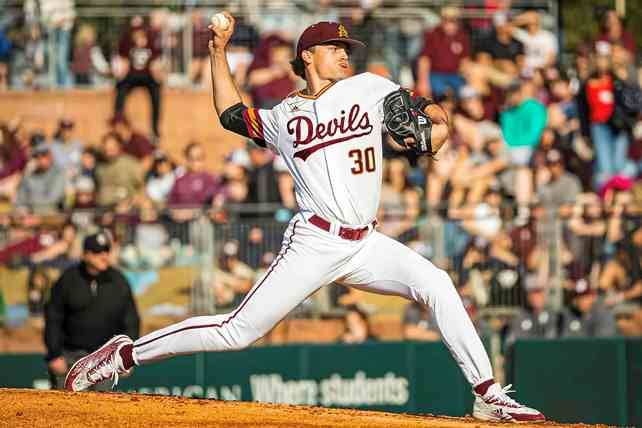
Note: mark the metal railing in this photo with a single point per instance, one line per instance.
(494, 267)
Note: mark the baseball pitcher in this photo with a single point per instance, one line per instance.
(329, 135)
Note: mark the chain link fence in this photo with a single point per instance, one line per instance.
(228, 253)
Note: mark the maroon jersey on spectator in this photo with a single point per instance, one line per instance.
(627, 41)
(445, 52)
(635, 149)
(194, 189)
(22, 248)
(139, 58)
(138, 146)
(524, 239)
(200, 38)
(485, 8)
(81, 63)
(275, 90)
(13, 159)
(155, 36)
(492, 101)
(125, 43)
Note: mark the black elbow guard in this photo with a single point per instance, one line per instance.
(232, 119)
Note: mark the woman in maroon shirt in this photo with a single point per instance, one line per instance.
(270, 75)
(13, 159)
(614, 33)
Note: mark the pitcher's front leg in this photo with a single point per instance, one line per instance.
(389, 267)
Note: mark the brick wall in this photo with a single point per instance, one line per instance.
(186, 115)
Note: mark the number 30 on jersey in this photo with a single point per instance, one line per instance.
(364, 160)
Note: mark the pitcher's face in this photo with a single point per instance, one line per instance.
(331, 60)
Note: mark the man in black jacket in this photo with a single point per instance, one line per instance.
(90, 303)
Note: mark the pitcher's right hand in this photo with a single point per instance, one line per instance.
(220, 37)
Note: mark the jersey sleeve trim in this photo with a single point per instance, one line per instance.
(254, 123)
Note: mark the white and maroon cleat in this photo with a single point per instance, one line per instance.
(100, 365)
(496, 405)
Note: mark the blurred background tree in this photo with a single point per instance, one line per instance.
(581, 20)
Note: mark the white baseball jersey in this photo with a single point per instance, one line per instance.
(331, 143)
(332, 146)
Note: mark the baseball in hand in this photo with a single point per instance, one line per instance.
(220, 21)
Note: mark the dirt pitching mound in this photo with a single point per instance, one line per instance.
(32, 408)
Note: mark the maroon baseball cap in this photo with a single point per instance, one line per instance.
(324, 32)
(582, 288)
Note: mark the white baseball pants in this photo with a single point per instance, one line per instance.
(309, 259)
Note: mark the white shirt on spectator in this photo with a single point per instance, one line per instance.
(66, 156)
(487, 219)
(58, 13)
(238, 59)
(158, 188)
(537, 46)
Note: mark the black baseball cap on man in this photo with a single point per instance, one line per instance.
(325, 32)
(99, 242)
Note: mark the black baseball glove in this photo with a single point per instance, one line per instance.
(405, 118)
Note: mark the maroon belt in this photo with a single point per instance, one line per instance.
(344, 232)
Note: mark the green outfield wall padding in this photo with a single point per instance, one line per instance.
(579, 380)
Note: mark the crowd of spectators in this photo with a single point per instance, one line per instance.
(533, 204)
